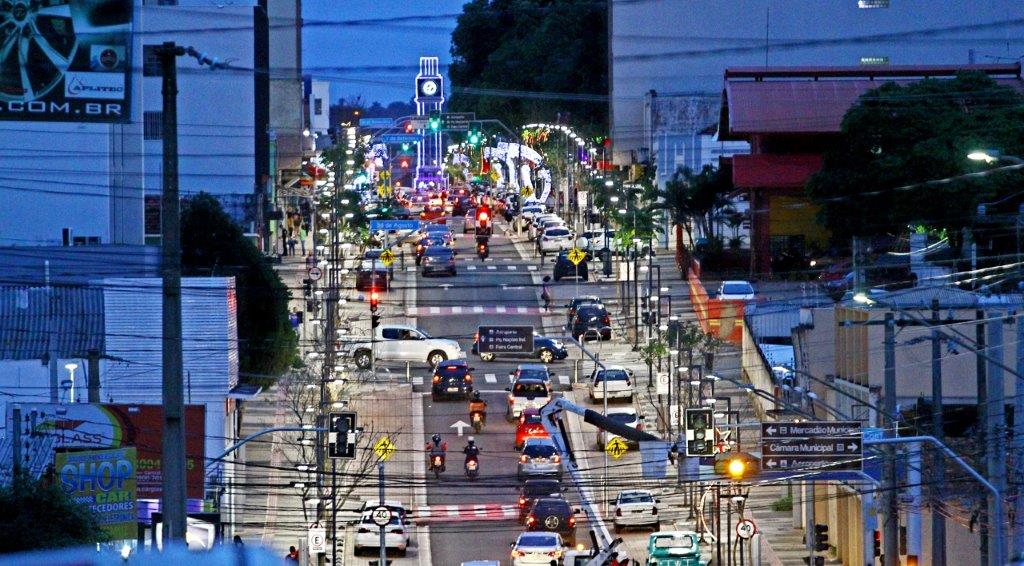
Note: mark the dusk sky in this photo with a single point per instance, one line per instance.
(351, 54)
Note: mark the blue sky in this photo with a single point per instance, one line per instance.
(351, 55)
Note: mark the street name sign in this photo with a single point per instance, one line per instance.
(376, 123)
(829, 445)
(457, 121)
(401, 138)
(505, 339)
(388, 225)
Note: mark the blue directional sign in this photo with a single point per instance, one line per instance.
(812, 446)
(376, 123)
(381, 225)
(401, 138)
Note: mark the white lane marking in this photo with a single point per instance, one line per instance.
(521, 309)
(499, 309)
(478, 309)
(453, 511)
(563, 379)
(471, 268)
(435, 310)
(456, 310)
(419, 465)
(411, 269)
(513, 267)
(417, 380)
(490, 378)
(492, 267)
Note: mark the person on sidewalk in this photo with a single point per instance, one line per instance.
(303, 234)
(545, 293)
(291, 246)
(293, 555)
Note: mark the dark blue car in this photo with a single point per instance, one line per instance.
(545, 349)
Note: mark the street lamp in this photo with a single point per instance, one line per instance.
(71, 367)
(993, 155)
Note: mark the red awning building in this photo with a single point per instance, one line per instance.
(791, 116)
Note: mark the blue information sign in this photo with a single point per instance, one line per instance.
(379, 225)
(376, 123)
(401, 138)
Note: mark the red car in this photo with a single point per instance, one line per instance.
(529, 426)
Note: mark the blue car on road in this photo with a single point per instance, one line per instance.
(545, 349)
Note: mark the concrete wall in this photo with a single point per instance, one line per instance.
(682, 48)
(286, 119)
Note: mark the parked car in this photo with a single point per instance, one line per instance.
(593, 240)
(537, 549)
(555, 239)
(542, 223)
(673, 548)
(736, 291)
(438, 260)
(452, 378)
(545, 349)
(554, 515)
(617, 381)
(624, 415)
(565, 268)
(396, 507)
(539, 457)
(636, 508)
(592, 318)
(532, 210)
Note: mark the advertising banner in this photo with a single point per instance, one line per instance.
(103, 480)
(100, 426)
(67, 61)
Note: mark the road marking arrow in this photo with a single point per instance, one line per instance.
(459, 425)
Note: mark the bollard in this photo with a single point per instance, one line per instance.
(408, 372)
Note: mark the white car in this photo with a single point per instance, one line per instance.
(396, 534)
(626, 416)
(617, 381)
(736, 291)
(396, 342)
(526, 393)
(540, 222)
(537, 548)
(532, 210)
(636, 508)
(555, 239)
(394, 506)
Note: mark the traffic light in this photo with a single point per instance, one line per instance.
(405, 146)
(374, 320)
(343, 427)
(878, 543)
(404, 162)
(738, 466)
(475, 134)
(307, 287)
(374, 300)
(435, 121)
(700, 431)
(820, 537)
(408, 127)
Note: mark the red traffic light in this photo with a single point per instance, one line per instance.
(374, 300)
(404, 163)
(408, 127)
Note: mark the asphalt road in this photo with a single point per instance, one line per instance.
(457, 541)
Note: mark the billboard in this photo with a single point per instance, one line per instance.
(104, 481)
(92, 426)
(66, 61)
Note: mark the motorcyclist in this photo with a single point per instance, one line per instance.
(471, 450)
(478, 405)
(437, 448)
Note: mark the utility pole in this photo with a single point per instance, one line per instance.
(891, 524)
(938, 470)
(995, 423)
(979, 339)
(1018, 443)
(93, 377)
(173, 454)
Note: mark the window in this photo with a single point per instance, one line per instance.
(874, 60)
(318, 106)
(867, 4)
(150, 61)
(152, 125)
(390, 334)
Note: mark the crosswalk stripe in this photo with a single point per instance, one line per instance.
(512, 268)
(531, 267)
(499, 309)
(471, 268)
(521, 309)
(435, 310)
(456, 310)
(492, 267)
(411, 268)
(563, 379)
(417, 380)
(478, 309)
(490, 378)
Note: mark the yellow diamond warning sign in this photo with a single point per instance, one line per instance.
(616, 448)
(384, 448)
(576, 256)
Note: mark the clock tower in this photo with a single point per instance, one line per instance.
(429, 98)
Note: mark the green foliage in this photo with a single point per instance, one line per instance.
(783, 504)
(903, 135)
(696, 197)
(511, 46)
(213, 245)
(38, 515)
(653, 351)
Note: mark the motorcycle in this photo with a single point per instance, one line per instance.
(472, 467)
(482, 251)
(437, 465)
(477, 420)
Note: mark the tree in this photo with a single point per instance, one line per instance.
(213, 245)
(900, 135)
(512, 49)
(695, 198)
(38, 514)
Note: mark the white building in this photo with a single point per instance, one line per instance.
(103, 181)
(668, 58)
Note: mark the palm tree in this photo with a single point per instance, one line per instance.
(693, 198)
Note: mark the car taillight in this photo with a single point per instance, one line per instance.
(522, 502)
(476, 337)
(556, 458)
(618, 511)
(437, 379)
(518, 553)
(654, 511)
(639, 426)
(437, 460)
(524, 459)
(531, 520)
(469, 378)
(511, 399)
(607, 319)
(555, 553)
(572, 521)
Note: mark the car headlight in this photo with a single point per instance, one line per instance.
(559, 345)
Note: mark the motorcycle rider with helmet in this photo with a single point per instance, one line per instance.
(437, 448)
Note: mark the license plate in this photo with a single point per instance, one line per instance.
(638, 511)
(453, 390)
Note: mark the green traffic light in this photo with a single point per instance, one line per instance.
(405, 147)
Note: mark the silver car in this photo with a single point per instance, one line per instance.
(438, 259)
(539, 458)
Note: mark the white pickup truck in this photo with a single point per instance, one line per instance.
(393, 342)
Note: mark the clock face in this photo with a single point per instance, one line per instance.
(429, 88)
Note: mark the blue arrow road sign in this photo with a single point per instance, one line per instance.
(380, 225)
(400, 138)
(376, 123)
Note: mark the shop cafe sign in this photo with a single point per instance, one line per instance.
(105, 482)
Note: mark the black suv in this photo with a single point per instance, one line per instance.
(553, 514)
(452, 378)
(565, 268)
(577, 302)
(591, 317)
(534, 489)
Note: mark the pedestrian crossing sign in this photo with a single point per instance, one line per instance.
(576, 256)
(384, 448)
(616, 448)
(387, 257)
(526, 191)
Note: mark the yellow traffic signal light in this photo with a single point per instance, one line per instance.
(736, 468)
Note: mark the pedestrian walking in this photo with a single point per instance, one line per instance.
(291, 245)
(238, 542)
(545, 293)
(303, 234)
(293, 555)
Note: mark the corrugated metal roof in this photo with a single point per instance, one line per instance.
(26, 315)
